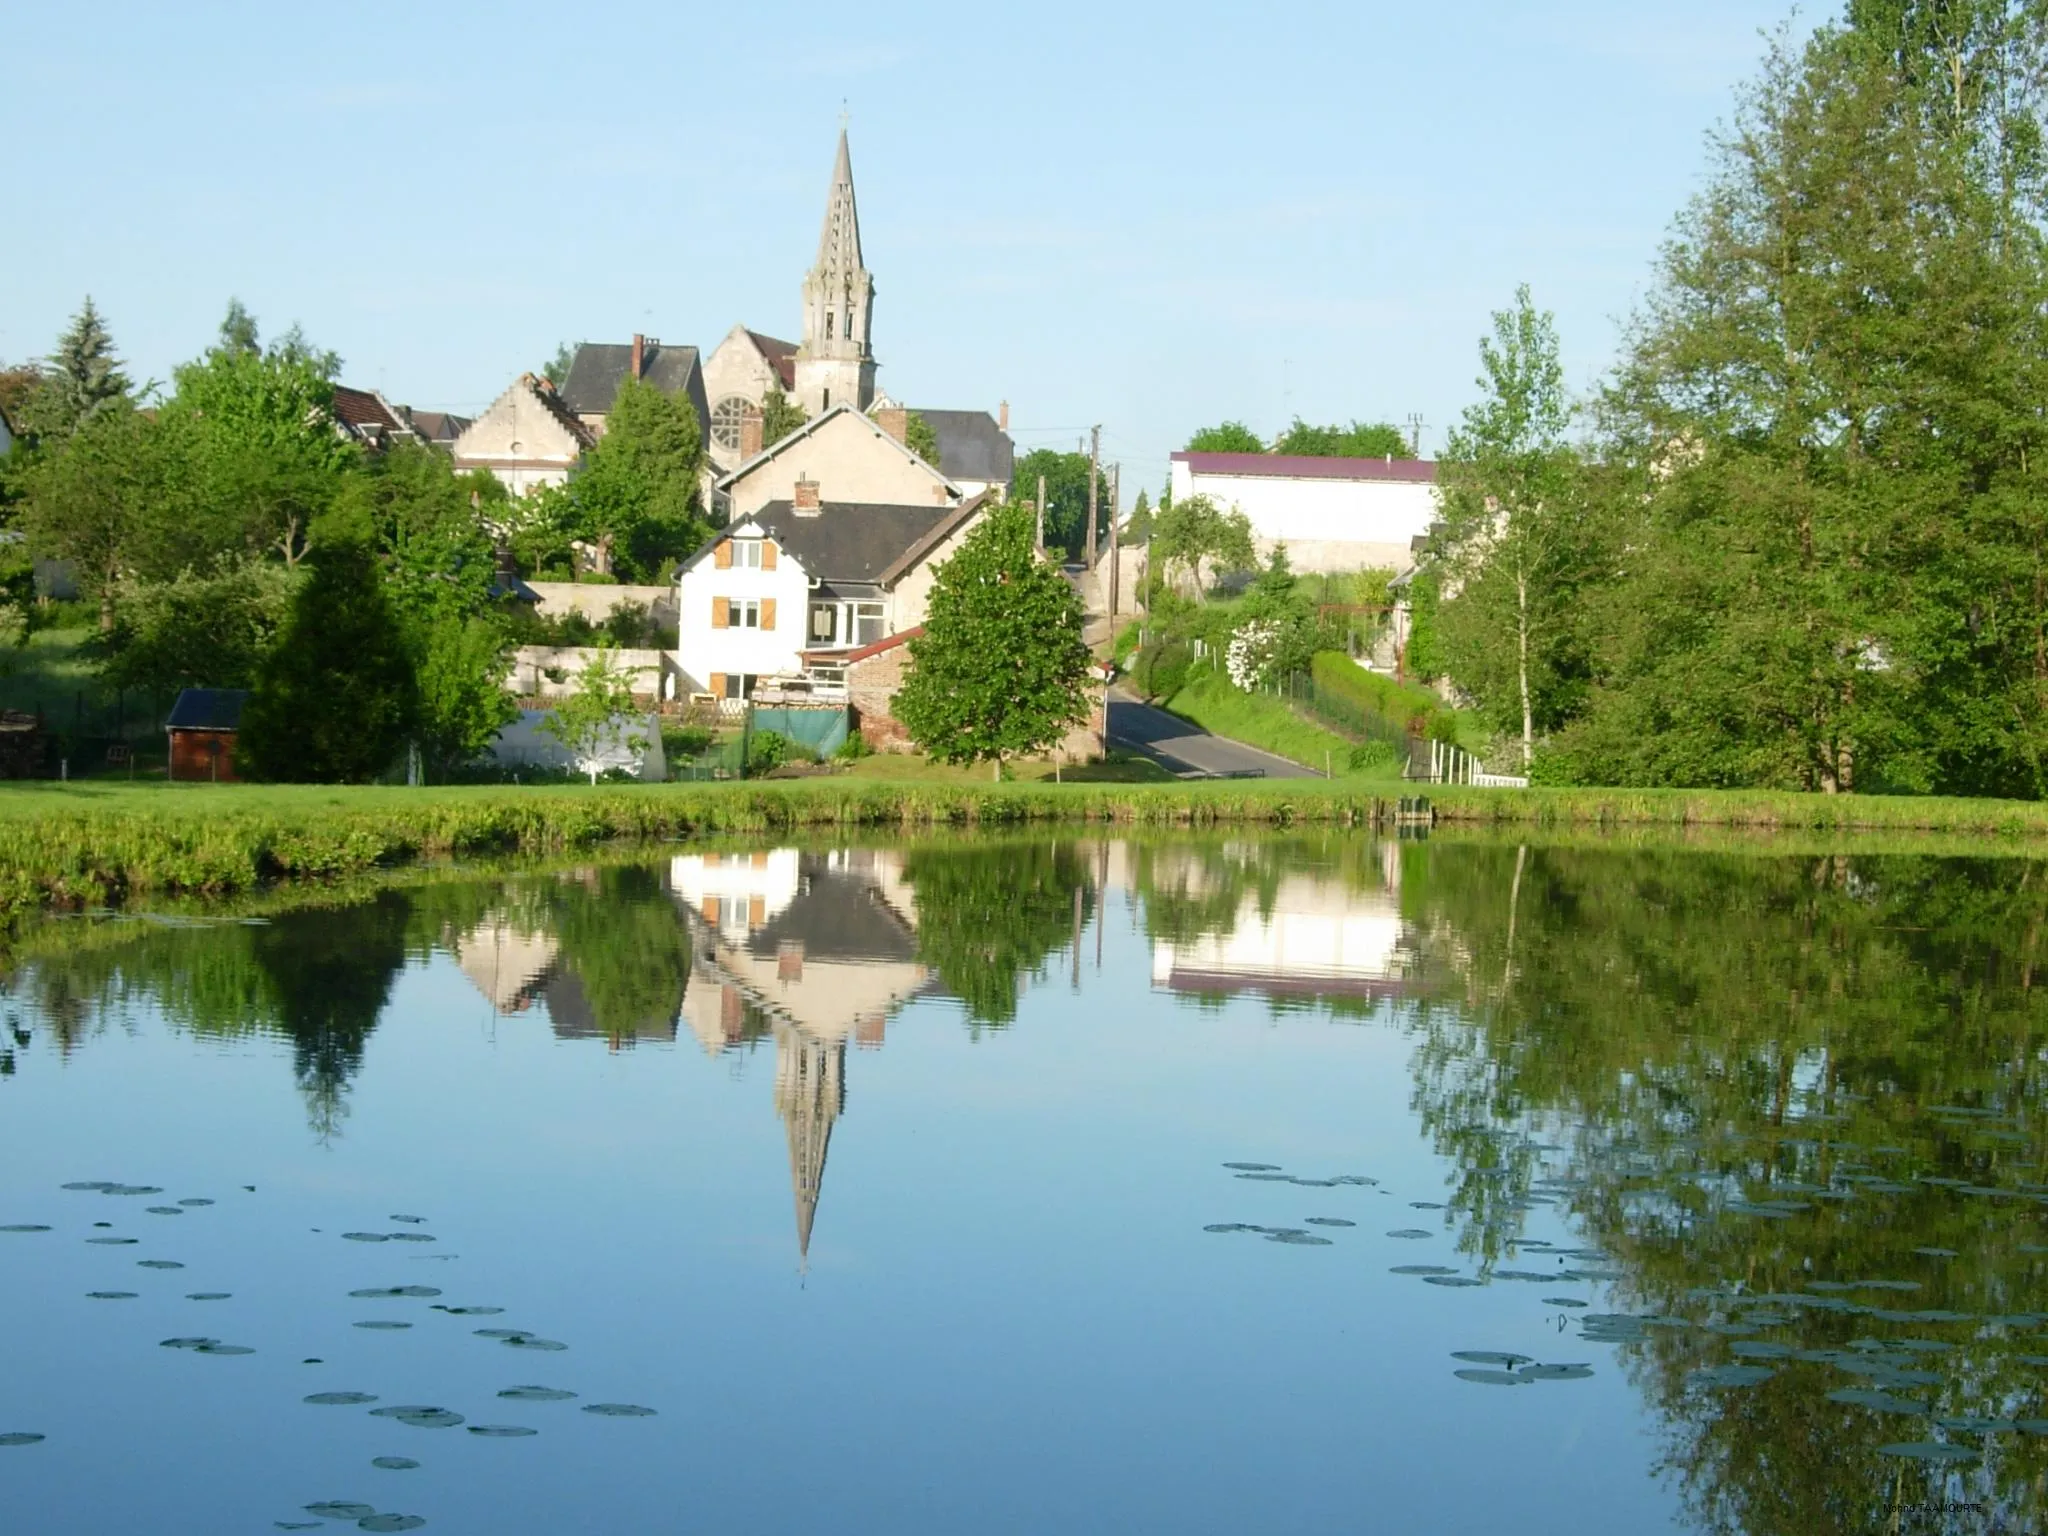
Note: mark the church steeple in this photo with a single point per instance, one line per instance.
(810, 1091)
(835, 365)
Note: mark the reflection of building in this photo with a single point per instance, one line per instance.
(515, 965)
(509, 966)
(1314, 937)
(809, 950)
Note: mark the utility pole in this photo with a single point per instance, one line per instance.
(1115, 511)
(1415, 426)
(1094, 463)
(1041, 514)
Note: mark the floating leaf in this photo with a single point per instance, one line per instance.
(1422, 1269)
(1555, 1372)
(390, 1523)
(502, 1431)
(1975, 1425)
(471, 1311)
(1235, 1167)
(536, 1394)
(1492, 1357)
(1451, 1280)
(1563, 1301)
(223, 1349)
(185, 1343)
(341, 1509)
(416, 1221)
(1231, 1226)
(502, 1333)
(525, 1341)
(209, 1295)
(1410, 1232)
(1298, 1239)
(1328, 1221)
(394, 1463)
(196, 1200)
(1491, 1378)
(158, 1264)
(1929, 1450)
(340, 1399)
(163, 1210)
(24, 1226)
(364, 1237)
(375, 1293)
(21, 1437)
(410, 1237)
(100, 1185)
(1759, 1349)
(1876, 1401)
(111, 1295)
(114, 1242)
(419, 1417)
(1731, 1376)
(1268, 1178)
(619, 1410)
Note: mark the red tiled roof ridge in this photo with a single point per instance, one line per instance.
(1280, 466)
(872, 648)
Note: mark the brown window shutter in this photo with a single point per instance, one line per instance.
(721, 556)
(767, 613)
(718, 685)
(767, 554)
(720, 613)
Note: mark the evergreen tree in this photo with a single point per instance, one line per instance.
(335, 700)
(1000, 668)
(82, 379)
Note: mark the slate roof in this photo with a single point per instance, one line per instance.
(439, 426)
(600, 367)
(781, 356)
(207, 709)
(849, 541)
(972, 446)
(836, 916)
(1278, 466)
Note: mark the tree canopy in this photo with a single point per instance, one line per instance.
(1225, 437)
(1359, 440)
(1066, 495)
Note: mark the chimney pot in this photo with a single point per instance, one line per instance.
(1003, 415)
(639, 356)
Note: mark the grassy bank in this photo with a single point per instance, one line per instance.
(93, 843)
(1262, 721)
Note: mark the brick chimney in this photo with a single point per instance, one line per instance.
(807, 502)
(750, 434)
(1003, 415)
(894, 420)
(639, 356)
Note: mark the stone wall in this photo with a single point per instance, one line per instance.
(653, 673)
(871, 686)
(595, 600)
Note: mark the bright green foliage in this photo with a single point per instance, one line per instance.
(1066, 495)
(1423, 659)
(262, 460)
(99, 499)
(1513, 538)
(200, 629)
(922, 439)
(988, 917)
(1360, 440)
(464, 700)
(1195, 536)
(780, 416)
(1274, 600)
(1000, 668)
(413, 511)
(82, 378)
(600, 713)
(1226, 437)
(637, 487)
(335, 700)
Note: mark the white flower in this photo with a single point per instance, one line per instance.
(1251, 653)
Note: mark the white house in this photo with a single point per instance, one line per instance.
(1332, 514)
(788, 592)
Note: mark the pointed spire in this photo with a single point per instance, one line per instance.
(839, 240)
(810, 1090)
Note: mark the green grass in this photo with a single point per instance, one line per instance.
(1259, 720)
(909, 768)
(93, 843)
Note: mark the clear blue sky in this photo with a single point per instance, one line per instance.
(1151, 217)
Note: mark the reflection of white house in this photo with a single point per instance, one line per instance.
(509, 966)
(809, 949)
(1332, 514)
(1317, 937)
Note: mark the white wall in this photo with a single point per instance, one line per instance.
(595, 600)
(703, 650)
(1327, 525)
(519, 440)
(644, 670)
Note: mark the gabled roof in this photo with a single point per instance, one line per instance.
(971, 446)
(438, 426)
(367, 416)
(779, 355)
(853, 541)
(600, 367)
(207, 709)
(782, 445)
(1277, 466)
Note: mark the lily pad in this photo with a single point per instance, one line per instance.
(1876, 1401)
(384, 1324)
(1971, 1424)
(1230, 1226)
(1563, 1301)
(472, 1311)
(114, 1242)
(1460, 1281)
(364, 1237)
(410, 1237)
(1410, 1233)
(394, 1463)
(1487, 1378)
(1298, 1239)
(1493, 1357)
(158, 1264)
(223, 1349)
(99, 1185)
(21, 1437)
(502, 1333)
(420, 1417)
(619, 1410)
(112, 1295)
(391, 1523)
(1241, 1168)
(1759, 1349)
(196, 1200)
(502, 1431)
(1422, 1269)
(1930, 1450)
(163, 1210)
(414, 1221)
(536, 1394)
(23, 1226)
(340, 1399)
(184, 1343)
(526, 1341)
(378, 1293)
(1573, 1372)
(1328, 1221)
(341, 1509)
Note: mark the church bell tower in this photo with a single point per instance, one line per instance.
(835, 365)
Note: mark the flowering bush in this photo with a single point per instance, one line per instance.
(1253, 650)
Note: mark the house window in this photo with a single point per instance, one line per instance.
(867, 623)
(742, 613)
(824, 623)
(740, 685)
(746, 554)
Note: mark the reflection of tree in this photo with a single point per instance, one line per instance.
(989, 913)
(1707, 1028)
(623, 941)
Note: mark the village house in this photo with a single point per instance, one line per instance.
(1332, 514)
(527, 437)
(790, 592)
(599, 369)
(863, 458)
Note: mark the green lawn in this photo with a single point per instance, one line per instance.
(1259, 720)
(909, 768)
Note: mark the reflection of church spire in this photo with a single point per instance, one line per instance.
(810, 1090)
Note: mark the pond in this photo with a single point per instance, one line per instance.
(1205, 1184)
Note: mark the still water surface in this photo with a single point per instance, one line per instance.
(1293, 1184)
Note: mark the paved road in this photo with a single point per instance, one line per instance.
(1186, 749)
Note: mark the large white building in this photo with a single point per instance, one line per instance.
(1332, 514)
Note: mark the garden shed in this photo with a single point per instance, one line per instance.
(202, 728)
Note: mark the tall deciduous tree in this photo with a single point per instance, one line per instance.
(598, 715)
(639, 485)
(97, 498)
(1066, 494)
(1195, 536)
(1000, 668)
(336, 699)
(922, 439)
(1360, 440)
(1225, 437)
(1513, 538)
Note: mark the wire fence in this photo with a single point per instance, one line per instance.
(1346, 716)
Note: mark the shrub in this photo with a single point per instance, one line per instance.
(679, 742)
(1373, 755)
(1162, 669)
(767, 750)
(854, 748)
